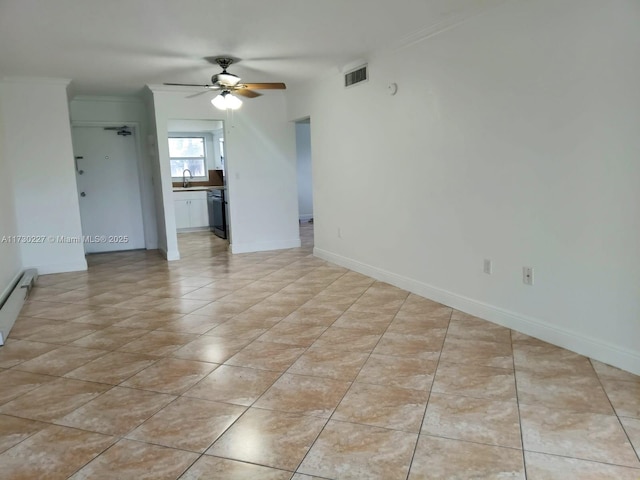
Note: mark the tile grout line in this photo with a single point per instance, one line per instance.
(351, 382)
(94, 458)
(515, 381)
(162, 408)
(424, 415)
(112, 386)
(247, 408)
(581, 459)
(218, 365)
(306, 350)
(615, 412)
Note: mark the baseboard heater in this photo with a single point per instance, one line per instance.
(12, 303)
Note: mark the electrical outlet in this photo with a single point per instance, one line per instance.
(488, 266)
(527, 275)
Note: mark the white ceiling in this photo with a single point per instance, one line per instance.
(115, 47)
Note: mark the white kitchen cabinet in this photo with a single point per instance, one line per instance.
(181, 208)
(198, 212)
(191, 209)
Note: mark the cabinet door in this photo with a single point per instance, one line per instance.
(199, 214)
(182, 213)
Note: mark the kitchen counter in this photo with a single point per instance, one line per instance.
(195, 189)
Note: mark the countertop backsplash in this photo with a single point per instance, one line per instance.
(216, 178)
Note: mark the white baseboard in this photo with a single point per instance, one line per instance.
(192, 229)
(578, 342)
(249, 247)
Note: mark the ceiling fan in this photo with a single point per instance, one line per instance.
(228, 83)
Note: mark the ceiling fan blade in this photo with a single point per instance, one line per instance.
(197, 94)
(243, 92)
(265, 86)
(214, 87)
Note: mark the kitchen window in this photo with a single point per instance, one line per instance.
(187, 153)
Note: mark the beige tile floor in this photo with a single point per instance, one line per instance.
(278, 365)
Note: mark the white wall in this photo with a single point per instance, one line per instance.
(305, 183)
(10, 264)
(260, 168)
(152, 149)
(218, 162)
(124, 111)
(512, 137)
(38, 150)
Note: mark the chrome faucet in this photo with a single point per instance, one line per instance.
(185, 182)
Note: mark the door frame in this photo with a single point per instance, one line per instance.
(135, 126)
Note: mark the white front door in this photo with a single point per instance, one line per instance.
(108, 189)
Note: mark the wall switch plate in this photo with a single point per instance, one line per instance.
(339, 232)
(488, 266)
(527, 275)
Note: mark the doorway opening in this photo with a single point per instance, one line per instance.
(304, 171)
(197, 161)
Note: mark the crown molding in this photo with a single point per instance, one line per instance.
(107, 98)
(37, 80)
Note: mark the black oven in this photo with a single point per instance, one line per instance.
(217, 212)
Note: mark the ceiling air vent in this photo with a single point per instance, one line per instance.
(358, 75)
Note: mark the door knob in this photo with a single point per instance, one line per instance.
(83, 194)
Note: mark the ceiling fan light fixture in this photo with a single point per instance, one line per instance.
(219, 102)
(233, 102)
(226, 101)
(225, 83)
(225, 78)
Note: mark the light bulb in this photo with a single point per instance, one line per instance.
(233, 102)
(220, 102)
(225, 100)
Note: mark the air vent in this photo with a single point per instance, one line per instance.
(358, 75)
